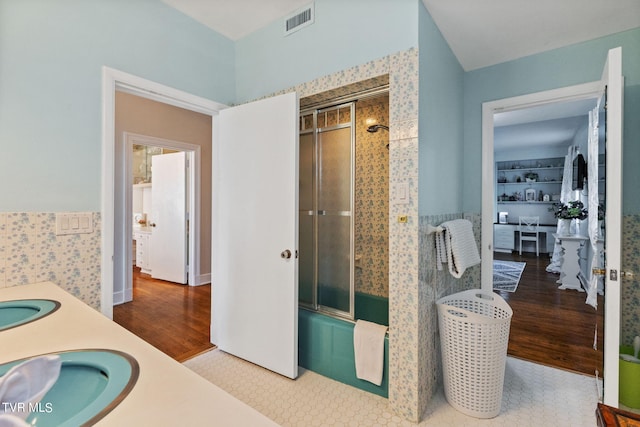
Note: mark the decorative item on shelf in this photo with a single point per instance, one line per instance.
(546, 198)
(540, 196)
(140, 218)
(502, 179)
(530, 195)
(531, 177)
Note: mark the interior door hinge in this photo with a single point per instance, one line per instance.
(613, 274)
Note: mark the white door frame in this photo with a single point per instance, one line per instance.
(113, 80)
(193, 199)
(569, 93)
(593, 90)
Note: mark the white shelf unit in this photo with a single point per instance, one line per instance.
(512, 183)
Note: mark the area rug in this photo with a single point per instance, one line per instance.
(506, 275)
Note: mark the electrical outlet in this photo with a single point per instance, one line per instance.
(403, 219)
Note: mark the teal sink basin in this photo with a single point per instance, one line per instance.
(19, 312)
(91, 383)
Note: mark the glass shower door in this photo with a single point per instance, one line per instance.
(306, 240)
(326, 211)
(334, 219)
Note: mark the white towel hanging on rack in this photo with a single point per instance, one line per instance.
(456, 245)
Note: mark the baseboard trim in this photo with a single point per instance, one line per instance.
(203, 279)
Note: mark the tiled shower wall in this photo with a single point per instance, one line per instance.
(30, 251)
(414, 367)
(405, 385)
(372, 199)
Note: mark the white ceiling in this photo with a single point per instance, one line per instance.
(480, 32)
(488, 32)
(545, 134)
(542, 126)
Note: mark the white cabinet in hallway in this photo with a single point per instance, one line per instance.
(143, 250)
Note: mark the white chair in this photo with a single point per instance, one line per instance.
(529, 231)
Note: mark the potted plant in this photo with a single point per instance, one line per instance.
(531, 177)
(567, 212)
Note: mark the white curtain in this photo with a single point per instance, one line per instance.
(592, 181)
(565, 196)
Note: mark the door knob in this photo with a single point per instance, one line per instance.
(152, 224)
(286, 254)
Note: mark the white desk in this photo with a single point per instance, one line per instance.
(571, 245)
(506, 237)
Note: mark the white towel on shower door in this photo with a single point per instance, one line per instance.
(368, 347)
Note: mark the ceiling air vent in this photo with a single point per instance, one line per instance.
(299, 19)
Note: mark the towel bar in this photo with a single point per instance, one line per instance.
(433, 229)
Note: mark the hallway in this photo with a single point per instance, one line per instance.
(172, 317)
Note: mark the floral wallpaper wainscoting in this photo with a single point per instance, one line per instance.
(31, 251)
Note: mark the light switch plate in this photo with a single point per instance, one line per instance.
(401, 193)
(74, 223)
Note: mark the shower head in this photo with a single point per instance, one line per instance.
(375, 128)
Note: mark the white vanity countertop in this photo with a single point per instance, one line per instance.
(166, 393)
(142, 229)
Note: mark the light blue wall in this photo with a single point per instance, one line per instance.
(51, 54)
(441, 120)
(345, 34)
(580, 63)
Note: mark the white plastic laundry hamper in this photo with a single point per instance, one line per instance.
(474, 334)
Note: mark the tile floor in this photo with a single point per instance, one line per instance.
(534, 395)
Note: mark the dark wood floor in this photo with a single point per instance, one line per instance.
(551, 326)
(173, 318)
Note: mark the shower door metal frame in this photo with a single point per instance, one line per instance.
(316, 212)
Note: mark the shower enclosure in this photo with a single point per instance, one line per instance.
(327, 164)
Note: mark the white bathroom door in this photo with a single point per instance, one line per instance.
(612, 84)
(168, 248)
(255, 233)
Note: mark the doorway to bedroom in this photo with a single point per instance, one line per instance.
(550, 326)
